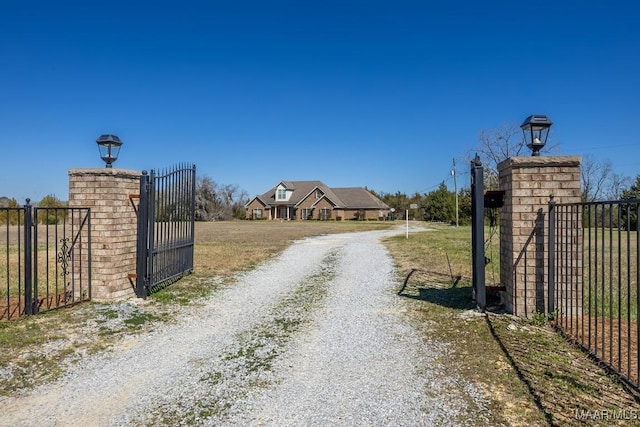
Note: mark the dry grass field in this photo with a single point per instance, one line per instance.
(229, 246)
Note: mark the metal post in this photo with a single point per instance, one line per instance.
(455, 188)
(143, 237)
(155, 233)
(551, 279)
(192, 217)
(28, 259)
(477, 232)
(406, 217)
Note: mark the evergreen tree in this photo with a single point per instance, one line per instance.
(440, 205)
(630, 216)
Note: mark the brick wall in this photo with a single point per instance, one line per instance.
(255, 204)
(113, 226)
(528, 182)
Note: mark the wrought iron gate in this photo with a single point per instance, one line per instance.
(594, 280)
(45, 259)
(166, 223)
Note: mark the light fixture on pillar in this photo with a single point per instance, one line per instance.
(109, 146)
(536, 130)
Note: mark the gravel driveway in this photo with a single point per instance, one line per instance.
(314, 337)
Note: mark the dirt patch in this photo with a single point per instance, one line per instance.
(612, 341)
(15, 307)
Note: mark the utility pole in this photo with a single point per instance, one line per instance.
(455, 188)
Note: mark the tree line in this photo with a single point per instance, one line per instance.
(15, 216)
(213, 202)
(218, 202)
(438, 205)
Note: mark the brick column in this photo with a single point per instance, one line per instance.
(107, 193)
(528, 182)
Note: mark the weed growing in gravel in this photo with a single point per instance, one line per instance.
(40, 348)
(137, 319)
(249, 361)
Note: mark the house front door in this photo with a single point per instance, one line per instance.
(283, 213)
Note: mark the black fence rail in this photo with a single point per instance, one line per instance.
(45, 259)
(166, 227)
(594, 280)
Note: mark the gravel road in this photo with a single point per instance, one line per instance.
(314, 337)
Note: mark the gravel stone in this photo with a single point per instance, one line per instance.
(315, 337)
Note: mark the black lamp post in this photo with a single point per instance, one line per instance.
(109, 146)
(536, 130)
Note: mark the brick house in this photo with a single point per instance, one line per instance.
(314, 200)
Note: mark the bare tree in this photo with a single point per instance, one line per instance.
(617, 185)
(206, 199)
(595, 175)
(216, 202)
(497, 145)
(500, 143)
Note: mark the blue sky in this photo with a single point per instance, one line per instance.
(382, 94)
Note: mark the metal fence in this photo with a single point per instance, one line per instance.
(594, 280)
(45, 259)
(166, 227)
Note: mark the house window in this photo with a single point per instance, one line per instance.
(325, 213)
(282, 194)
(257, 213)
(307, 213)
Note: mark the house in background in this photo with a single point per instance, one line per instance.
(314, 200)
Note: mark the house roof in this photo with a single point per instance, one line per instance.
(359, 198)
(347, 198)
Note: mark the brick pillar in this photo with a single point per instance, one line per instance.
(528, 182)
(107, 193)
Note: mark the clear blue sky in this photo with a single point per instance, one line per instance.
(382, 94)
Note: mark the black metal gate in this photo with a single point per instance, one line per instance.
(166, 223)
(45, 259)
(594, 280)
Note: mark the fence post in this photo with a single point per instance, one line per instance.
(143, 237)
(193, 215)
(551, 261)
(28, 259)
(477, 232)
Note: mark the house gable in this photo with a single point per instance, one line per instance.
(256, 201)
(283, 192)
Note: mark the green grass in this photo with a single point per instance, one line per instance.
(610, 272)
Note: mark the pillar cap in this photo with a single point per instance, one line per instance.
(114, 172)
(539, 161)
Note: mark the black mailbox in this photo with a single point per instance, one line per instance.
(493, 199)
